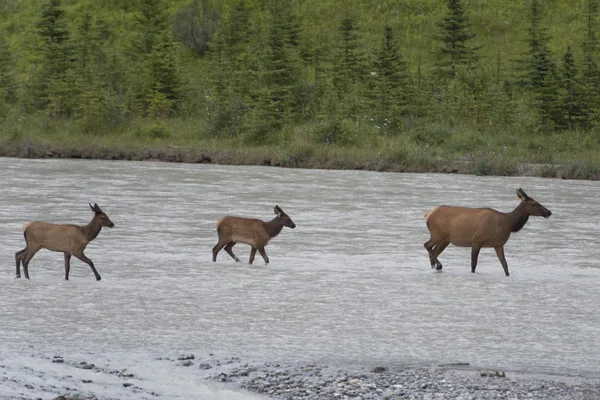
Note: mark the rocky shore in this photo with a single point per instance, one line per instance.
(315, 382)
(76, 379)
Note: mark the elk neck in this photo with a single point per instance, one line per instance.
(92, 229)
(273, 227)
(518, 218)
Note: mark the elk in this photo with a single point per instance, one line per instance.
(478, 228)
(68, 239)
(254, 232)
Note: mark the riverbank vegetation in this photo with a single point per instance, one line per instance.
(398, 85)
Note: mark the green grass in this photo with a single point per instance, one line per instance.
(428, 148)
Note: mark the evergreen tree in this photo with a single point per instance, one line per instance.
(152, 20)
(279, 68)
(55, 83)
(454, 35)
(92, 83)
(391, 89)
(347, 65)
(571, 99)
(591, 73)
(159, 91)
(8, 83)
(541, 74)
(163, 87)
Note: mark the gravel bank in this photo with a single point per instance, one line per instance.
(318, 382)
(52, 377)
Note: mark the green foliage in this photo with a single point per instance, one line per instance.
(454, 35)
(360, 75)
(196, 25)
(54, 81)
(8, 83)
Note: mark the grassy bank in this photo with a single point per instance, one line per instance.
(432, 148)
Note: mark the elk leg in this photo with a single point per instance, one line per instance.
(229, 251)
(500, 254)
(18, 258)
(432, 257)
(26, 258)
(89, 262)
(474, 255)
(252, 254)
(217, 249)
(438, 250)
(67, 265)
(262, 252)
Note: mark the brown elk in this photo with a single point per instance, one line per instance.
(68, 239)
(254, 232)
(477, 228)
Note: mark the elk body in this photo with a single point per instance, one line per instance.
(68, 239)
(478, 228)
(254, 232)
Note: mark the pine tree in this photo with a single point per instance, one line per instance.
(391, 90)
(55, 82)
(92, 86)
(8, 83)
(454, 35)
(159, 91)
(279, 69)
(347, 65)
(571, 99)
(591, 72)
(541, 73)
(163, 89)
(152, 19)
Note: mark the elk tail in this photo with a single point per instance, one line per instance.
(428, 214)
(26, 226)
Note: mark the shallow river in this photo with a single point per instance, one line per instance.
(351, 284)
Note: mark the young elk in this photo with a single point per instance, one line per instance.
(477, 228)
(68, 239)
(254, 232)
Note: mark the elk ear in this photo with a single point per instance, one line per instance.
(278, 211)
(96, 208)
(92, 207)
(522, 195)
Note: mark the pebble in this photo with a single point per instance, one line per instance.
(314, 382)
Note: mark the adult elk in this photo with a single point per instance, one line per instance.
(477, 228)
(254, 232)
(68, 239)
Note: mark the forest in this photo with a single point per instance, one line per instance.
(479, 86)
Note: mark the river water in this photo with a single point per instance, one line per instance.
(351, 284)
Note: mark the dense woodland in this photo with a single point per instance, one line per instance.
(455, 74)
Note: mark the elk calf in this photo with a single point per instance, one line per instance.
(477, 228)
(254, 232)
(68, 239)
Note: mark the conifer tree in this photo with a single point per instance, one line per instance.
(279, 69)
(391, 89)
(8, 83)
(54, 84)
(454, 35)
(159, 81)
(348, 58)
(541, 73)
(591, 72)
(571, 98)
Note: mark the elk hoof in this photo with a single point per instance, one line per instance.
(98, 278)
(438, 267)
